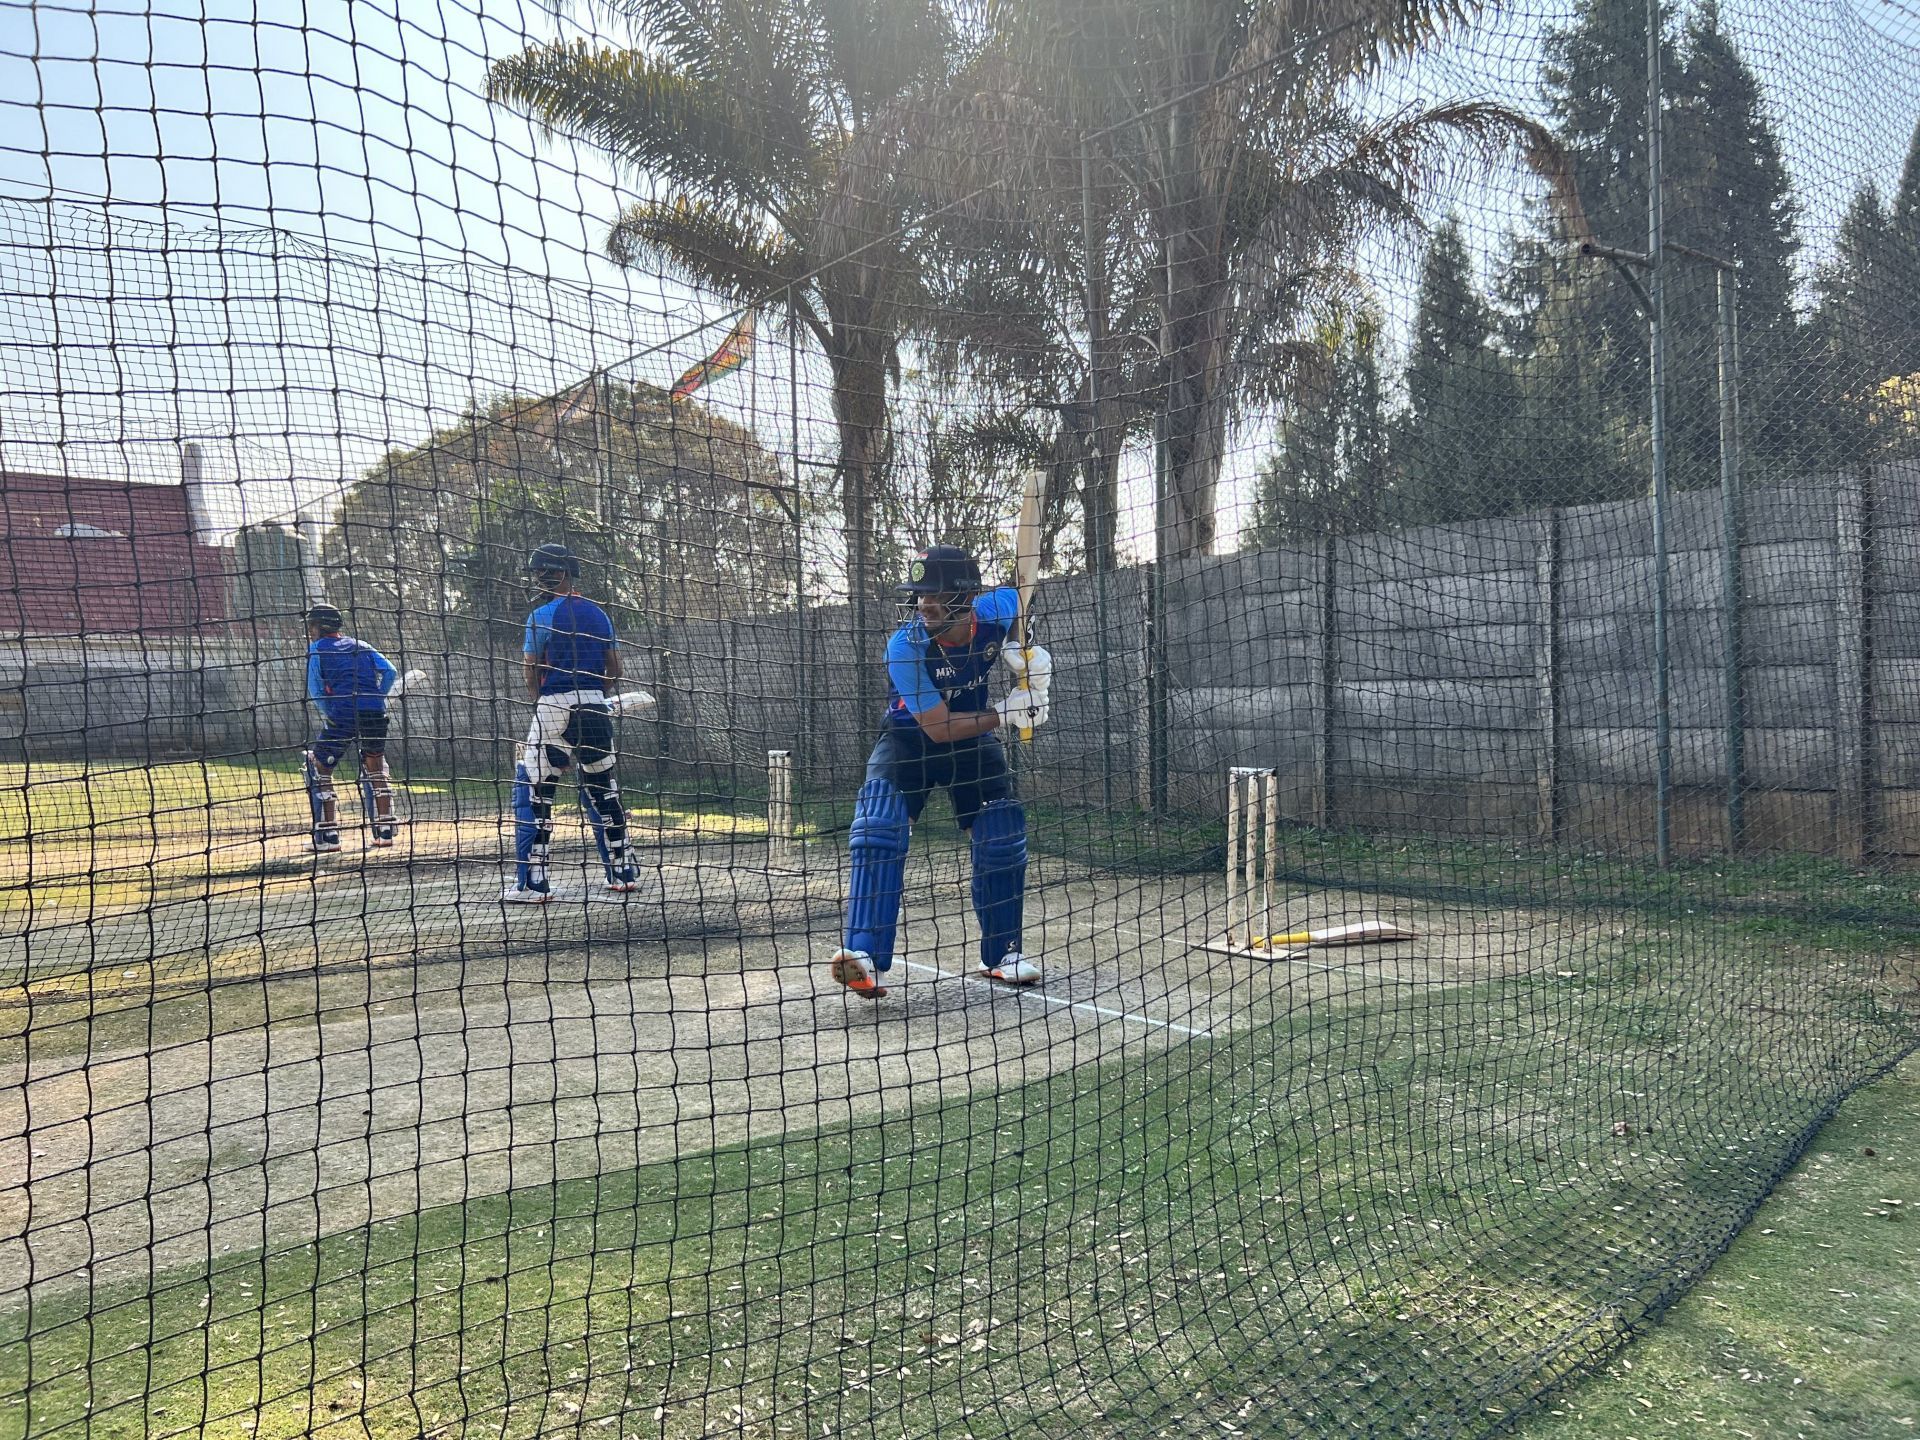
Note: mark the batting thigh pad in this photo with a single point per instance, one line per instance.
(877, 851)
(553, 737)
(999, 877)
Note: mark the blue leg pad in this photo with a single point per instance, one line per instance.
(607, 818)
(878, 850)
(532, 830)
(597, 823)
(999, 877)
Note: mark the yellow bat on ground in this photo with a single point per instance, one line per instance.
(1367, 932)
(1026, 562)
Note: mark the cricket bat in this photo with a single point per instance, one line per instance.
(629, 701)
(407, 683)
(1366, 932)
(1026, 561)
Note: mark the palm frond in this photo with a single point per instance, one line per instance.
(660, 120)
(1418, 152)
(717, 249)
(877, 50)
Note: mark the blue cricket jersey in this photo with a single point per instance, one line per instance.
(921, 672)
(570, 636)
(345, 675)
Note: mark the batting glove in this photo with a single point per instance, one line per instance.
(1022, 709)
(1033, 665)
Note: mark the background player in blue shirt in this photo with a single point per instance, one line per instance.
(572, 659)
(940, 731)
(348, 680)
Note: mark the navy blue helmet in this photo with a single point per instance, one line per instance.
(942, 570)
(549, 558)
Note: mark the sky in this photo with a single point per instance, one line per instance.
(416, 246)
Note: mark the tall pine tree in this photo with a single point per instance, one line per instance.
(1857, 331)
(1899, 294)
(1728, 194)
(1580, 339)
(1331, 471)
(1454, 446)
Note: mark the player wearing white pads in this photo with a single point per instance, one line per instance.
(940, 730)
(572, 659)
(348, 681)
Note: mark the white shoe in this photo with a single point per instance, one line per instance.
(854, 969)
(1013, 969)
(524, 895)
(328, 844)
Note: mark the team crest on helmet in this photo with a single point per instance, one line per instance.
(918, 572)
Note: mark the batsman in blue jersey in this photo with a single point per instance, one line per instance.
(572, 661)
(941, 731)
(348, 681)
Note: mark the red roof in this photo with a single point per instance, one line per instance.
(90, 557)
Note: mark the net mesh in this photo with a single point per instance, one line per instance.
(1463, 849)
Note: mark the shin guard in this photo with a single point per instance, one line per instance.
(999, 877)
(877, 849)
(600, 798)
(320, 797)
(532, 829)
(376, 794)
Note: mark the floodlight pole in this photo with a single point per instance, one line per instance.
(1657, 367)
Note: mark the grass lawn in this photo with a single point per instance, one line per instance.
(1809, 1325)
(102, 838)
(1392, 1216)
(1350, 1213)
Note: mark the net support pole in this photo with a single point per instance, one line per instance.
(1732, 535)
(1098, 520)
(802, 637)
(1657, 368)
(1853, 664)
(1156, 601)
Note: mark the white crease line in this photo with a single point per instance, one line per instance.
(1070, 1004)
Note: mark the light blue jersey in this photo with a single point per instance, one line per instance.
(345, 675)
(923, 673)
(571, 637)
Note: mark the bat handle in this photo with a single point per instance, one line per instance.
(1026, 654)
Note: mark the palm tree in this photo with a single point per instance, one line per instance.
(1242, 174)
(741, 112)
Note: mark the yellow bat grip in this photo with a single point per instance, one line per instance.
(1026, 731)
